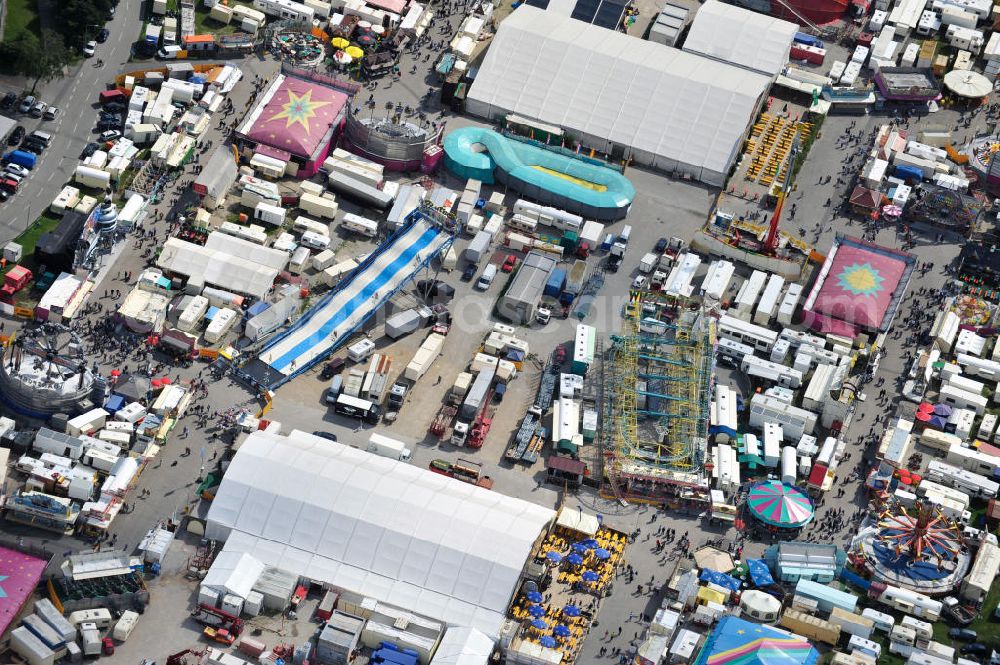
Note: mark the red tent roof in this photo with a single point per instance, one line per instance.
(297, 116)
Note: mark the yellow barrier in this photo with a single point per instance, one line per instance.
(24, 312)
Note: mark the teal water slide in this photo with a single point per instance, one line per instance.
(488, 156)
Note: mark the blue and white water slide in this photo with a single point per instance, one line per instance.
(359, 295)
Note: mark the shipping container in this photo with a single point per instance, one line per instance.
(424, 357)
(477, 393)
(555, 283)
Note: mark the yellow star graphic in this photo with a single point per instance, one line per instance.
(298, 109)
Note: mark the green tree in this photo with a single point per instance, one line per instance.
(40, 60)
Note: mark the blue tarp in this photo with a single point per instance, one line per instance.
(760, 575)
(115, 403)
(258, 307)
(210, 314)
(720, 579)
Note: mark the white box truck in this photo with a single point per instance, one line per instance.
(380, 444)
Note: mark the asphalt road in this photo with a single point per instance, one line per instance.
(76, 97)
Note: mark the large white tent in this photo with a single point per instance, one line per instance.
(382, 528)
(225, 262)
(741, 37)
(663, 107)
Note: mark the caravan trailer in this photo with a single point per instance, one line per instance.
(761, 339)
(359, 224)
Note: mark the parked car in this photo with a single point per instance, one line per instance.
(26, 104)
(8, 100)
(90, 48)
(102, 36)
(661, 245)
(4, 195)
(16, 136)
(51, 113)
(329, 436)
(34, 146)
(38, 110)
(110, 135)
(469, 272)
(963, 634)
(639, 282)
(89, 150)
(114, 107)
(21, 171)
(331, 368)
(10, 185)
(13, 176)
(509, 263)
(976, 648)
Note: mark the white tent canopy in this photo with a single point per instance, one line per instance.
(233, 572)
(741, 37)
(375, 526)
(463, 646)
(204, 266)
(577, 520)
(669, 109)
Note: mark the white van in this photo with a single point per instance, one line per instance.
(625, 234)
(487, 277)
(99, 616)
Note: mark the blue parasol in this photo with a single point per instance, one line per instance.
(534, 597)
(579, 548)
(575, 559)
(538, 624)
(571, 611)
(536, 611)
(590, 576)
(554, 557)
(561, 631)
(547, 642)
(602, 553)
(590, 543)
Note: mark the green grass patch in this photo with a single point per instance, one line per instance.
(205, 24)
(22, 16)
(28, 239)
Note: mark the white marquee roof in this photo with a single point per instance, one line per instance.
(740, 36)
(375, 526)
(233, 272)
(233, 572)
(677, 106)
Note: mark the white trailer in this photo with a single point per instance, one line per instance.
(361, 225)
(221, 323)
(87, 423)
(746, 297)
(192, 315)
(320, 206)
(385, 446)
(769, 300)
(790, 301)
(323, 260)
(716, 281)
